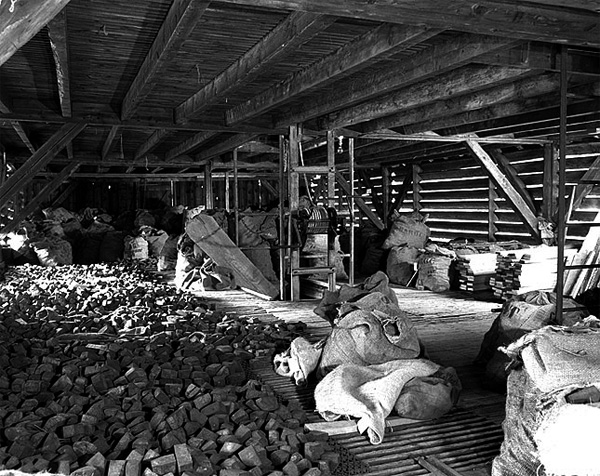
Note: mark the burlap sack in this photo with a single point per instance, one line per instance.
(360, 338)
(407, 230)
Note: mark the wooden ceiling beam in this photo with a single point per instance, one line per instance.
(225, 146)
(376, 44)
(462, 81)
(509, 19)
(190, 144)
(155, 139)
(112, 134)
(179, 23)
(290, 34)
(21, 21)
(38, 160)
(441, 57)
(57, 33)
(469, 101)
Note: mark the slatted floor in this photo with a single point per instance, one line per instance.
(451, 325)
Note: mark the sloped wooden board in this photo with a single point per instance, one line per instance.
(212, 240)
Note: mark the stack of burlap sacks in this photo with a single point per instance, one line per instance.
(372, 363)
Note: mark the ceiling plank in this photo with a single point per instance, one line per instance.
(467, 103)
(21, 21)
(151, 143)
(41, 197)
(189, 145)
(462, 81)
(18, 127)
(519, 205)
(508, 18)
(382, 41)
(225, 146)
(112, 134)
(38, 160)
(291, 33)
(57, 32)
(181, 20)
(440, 57)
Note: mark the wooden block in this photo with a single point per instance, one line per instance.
(133, 468)
(164, 464)
(97, 461)
(183, 457)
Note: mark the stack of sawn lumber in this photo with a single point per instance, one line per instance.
(475, 271)
(106, 372)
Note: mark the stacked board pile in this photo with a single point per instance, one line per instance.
(475, 271)
(104, 371)
(521, 271)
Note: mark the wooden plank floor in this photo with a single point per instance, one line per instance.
(451, 325)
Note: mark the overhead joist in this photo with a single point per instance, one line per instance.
(381, 42)
(440, 57)
(290, 34)
(18, 128)
(192, 143)
(22, 20)
(156, 137)
(449, 85)
(469, 102)
(57, 33)
(165, 176)
(40, 158)
(227, 145)
(42, 196)
(179, 23)
(517, 202)
(456, 138)
(538, 22)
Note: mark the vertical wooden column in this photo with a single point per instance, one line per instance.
(550, 182)
(294, 192)
(351, 276)
(492, 218)
(331, 167)
(284, 241)
(227, 192)
(416, 182)
(208, 187)
(386, 181)
(562, 173)
(236, 196)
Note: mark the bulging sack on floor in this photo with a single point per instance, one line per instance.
(431, 397)
(400, 264)
(361, 337)
(53, 251)
(215, 277)
(367, 392)
(136, 248)
(408, 230)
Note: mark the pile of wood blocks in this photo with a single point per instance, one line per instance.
(104, 371)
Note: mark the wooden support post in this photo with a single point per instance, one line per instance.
(283, 240)
(41, 197)
(294, 198)
(386, 195)
(416, 183)
(492, 217)
(227, 192)
(351, 276)
(38, 161)
(236, 197)
(331, 166)
(208, 187)
(550, 183)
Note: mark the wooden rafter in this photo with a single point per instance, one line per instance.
(190, 144)
(290, 34)
(425, 118)
(151, 143)
(62, 196)
(112, 134)
(40, 158)
(442, 56)
(21, 21)
(383, 41)
(181, 20)
(272, 190)
(57, 32)
(511, 174)
(583, 189)
(41, 197)
(402, 191)
(507, 19)
(519, 205)
(225, 146)
(368, 185)
(449, 85)
(18, 127)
